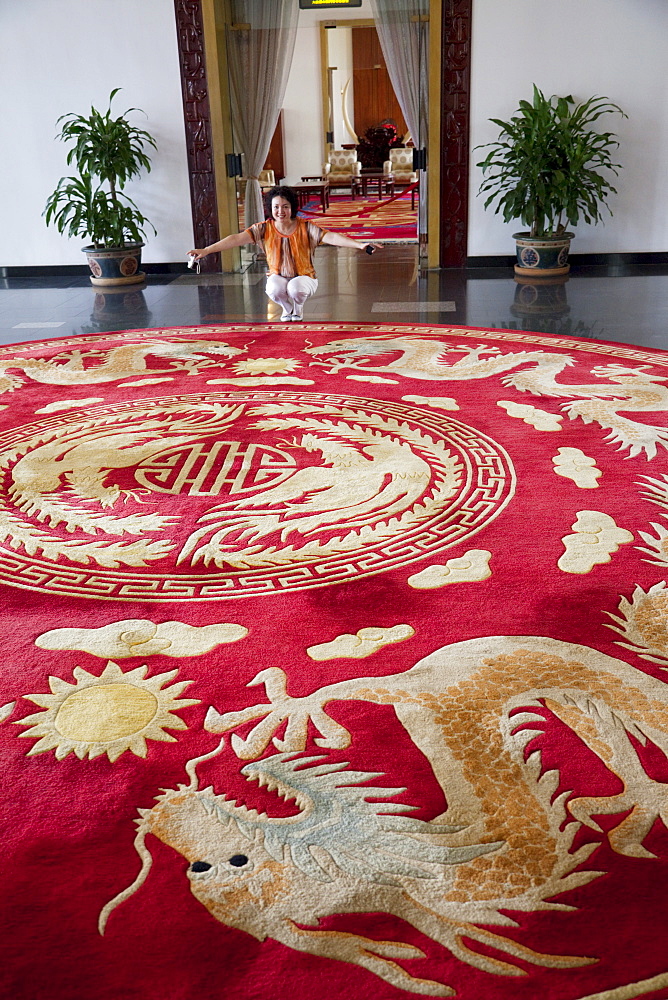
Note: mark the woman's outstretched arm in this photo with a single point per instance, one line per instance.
(339, 240)
(233, 240)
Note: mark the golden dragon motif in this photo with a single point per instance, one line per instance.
(428, 360)
(125, 361)
(505, 843)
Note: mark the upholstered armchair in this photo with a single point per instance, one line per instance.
(400, 164)
(342, 165)
(267, 179)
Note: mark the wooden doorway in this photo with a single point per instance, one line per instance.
(374, 99)
(276, 156)
(449, 109)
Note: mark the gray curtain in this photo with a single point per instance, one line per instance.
(403, 32)
(259, 56)
(404, 39)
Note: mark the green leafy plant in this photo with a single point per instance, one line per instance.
(544, 168)
(107, 151)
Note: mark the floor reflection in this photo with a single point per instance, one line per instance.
(624, 305)
(126, 305)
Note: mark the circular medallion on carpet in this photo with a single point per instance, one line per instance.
(238, 493)
(414, 579)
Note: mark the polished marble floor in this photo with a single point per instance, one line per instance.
(622, 304)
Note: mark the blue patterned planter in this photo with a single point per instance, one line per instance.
(115, 265)
(545, 256)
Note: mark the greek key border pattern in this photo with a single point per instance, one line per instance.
(373, 330)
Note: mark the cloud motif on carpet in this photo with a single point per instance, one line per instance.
(595, 538)
(572, 463)
(471, 567)
(142, 637)
(540, 419)
(366, 642)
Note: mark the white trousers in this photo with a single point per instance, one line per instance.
(290, 293)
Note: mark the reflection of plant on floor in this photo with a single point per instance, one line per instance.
(373, 147)
(126, 310)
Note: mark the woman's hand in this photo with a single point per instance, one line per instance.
(198, 254)
(340, 240)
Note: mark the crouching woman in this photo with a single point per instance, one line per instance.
(289, 244)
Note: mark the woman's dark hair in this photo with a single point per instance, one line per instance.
(282, 192)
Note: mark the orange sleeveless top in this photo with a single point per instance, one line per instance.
(288, 256)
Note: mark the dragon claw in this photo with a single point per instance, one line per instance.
(298, 712)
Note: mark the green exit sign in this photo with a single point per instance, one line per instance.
(319, 4)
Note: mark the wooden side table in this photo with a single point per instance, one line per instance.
(307, 189)
(385, 182)
(323, 180)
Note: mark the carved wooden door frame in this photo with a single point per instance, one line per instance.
(455, 130)
(197, 120)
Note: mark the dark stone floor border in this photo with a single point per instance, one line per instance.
(607, 260)
(606, 263)
(63, 270)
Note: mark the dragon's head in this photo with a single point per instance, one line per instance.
(218, 347)
(240, 859)
(193, 350)
(229, 869)
(354, 348)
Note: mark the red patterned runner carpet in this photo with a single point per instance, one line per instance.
(391, 220)
(334, 661)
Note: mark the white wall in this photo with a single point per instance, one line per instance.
(304, 130)
(60, 56)
(616, 49)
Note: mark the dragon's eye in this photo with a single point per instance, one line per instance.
(238, 860)
(200, 866)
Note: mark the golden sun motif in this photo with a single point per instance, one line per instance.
(265, 366)
(109, 713)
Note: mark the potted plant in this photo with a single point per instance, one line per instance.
(545, 170)
(107, 151)
(373, 148)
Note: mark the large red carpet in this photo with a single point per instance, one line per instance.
(389, 221)
(334, 663)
